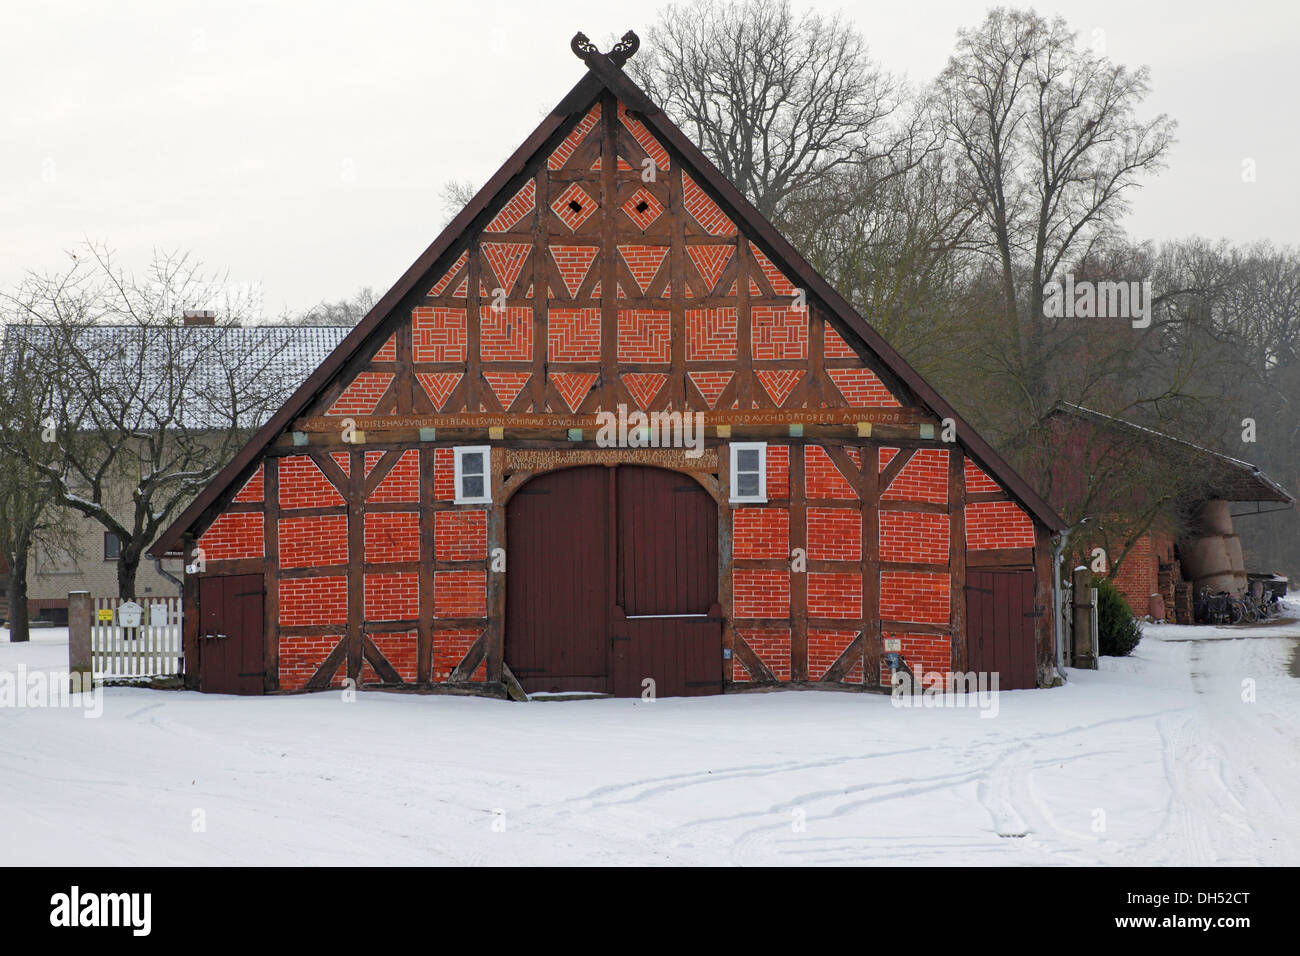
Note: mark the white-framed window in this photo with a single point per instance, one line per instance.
(749, 471)
(473, 476)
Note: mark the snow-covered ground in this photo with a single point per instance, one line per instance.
(1186, 753)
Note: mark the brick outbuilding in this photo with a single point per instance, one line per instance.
(446, 505)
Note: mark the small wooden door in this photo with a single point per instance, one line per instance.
(230, 635)
(1000, 616)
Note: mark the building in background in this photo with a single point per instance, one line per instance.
(1161, 508)
(86, 558)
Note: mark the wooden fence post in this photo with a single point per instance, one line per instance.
(80, 666)
(1084, 601)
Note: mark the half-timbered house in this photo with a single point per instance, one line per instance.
(441, 505)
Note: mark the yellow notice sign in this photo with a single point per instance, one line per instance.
(106, 615)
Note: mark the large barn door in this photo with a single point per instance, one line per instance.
(668, 627)
(612, 579)
(1000, 626)
(557, 603)
(230, 634)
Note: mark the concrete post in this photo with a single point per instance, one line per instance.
(1084, 603)
(80, 664)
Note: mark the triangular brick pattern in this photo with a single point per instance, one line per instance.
(513, 213)
(456, 271)
(362, 394)
(779, 383)
(647, 142)
(532, 288)
(704, 211)
(566, 149)
(710, 261)
(643, 262)
(775, 278)
(834, 345)
(862, 388)
(438, 386)
(978, 481)
(253, 488)
(644, 386)
(573, 264)
(506, 385)
(711, 385)
(573, 387)
(507, 260)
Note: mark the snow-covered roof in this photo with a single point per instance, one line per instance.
(1231, 478)
(200, 371)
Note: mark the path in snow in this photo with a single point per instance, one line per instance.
(1155, 759)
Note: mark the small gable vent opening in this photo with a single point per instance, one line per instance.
(575, 205)
(642, 206)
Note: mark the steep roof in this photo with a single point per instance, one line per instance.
(1229, 478)
(604, 72)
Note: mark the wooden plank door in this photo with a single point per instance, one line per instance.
(557, 603)
(1000, 625)
(667, 624)
(230, 634)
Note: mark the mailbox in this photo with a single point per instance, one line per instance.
(129, 614)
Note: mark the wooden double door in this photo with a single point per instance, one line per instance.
(612, 583)
(231, 634)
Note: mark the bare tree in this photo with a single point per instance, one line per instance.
(778, 103)
(146, 410)
(343, 312)
(1051, 147)
(29, 515)
(455, 196)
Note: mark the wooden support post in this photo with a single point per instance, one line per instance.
(271, 575)
(190, 617)
(1084, 653)
(355, 494)
(957, 555)
(81, 666)
(725, 565)
(496, 581)
(798, 579)
(609, 212)
(870, 564)
(424, 625)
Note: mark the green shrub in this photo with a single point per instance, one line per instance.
(1117, 630)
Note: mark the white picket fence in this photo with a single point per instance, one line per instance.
(150, 650)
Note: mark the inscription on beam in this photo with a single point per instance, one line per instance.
(552, 420)
(546, 459)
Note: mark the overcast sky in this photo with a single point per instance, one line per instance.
(304, 145)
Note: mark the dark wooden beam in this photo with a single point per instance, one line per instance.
(957, 555)
(271, 576)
